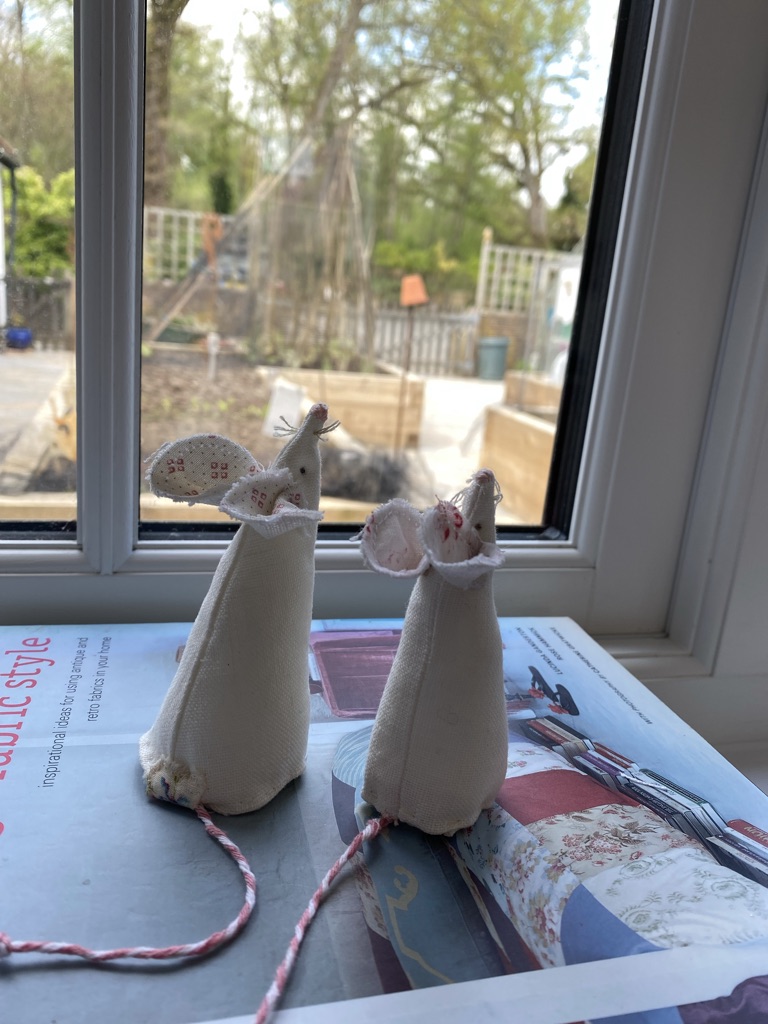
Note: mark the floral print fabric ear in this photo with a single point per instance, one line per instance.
(438, 750)
(233, 728)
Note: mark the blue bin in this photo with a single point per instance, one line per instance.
(18, 337)
(492, 358)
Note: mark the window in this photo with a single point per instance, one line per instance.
(37, 288)
(616, 570)
(307, 166)
(258, 233)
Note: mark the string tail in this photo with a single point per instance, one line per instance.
(283, 973)
(193, 949)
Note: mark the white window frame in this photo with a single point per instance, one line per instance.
(639, 566)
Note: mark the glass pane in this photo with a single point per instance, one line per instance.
(306, 163)
(37, 311)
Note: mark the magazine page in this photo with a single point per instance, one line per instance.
(88, 858)
(566, 995)
(609, 704)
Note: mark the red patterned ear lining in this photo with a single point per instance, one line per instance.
(199, 469)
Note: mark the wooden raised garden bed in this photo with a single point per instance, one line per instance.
(378, 409)
(519, 448)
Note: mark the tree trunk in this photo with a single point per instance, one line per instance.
(160, 27)
(537, 211)
(345, 40)
(24, 139)
(155, 159)
(363, 251)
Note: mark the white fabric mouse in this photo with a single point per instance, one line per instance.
(438, 751)
(233, 728)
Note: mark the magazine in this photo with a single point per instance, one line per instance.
(87, 857)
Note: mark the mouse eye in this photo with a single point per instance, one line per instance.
(478, 526)
(302, 470)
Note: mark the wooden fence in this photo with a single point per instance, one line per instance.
(431, 344)
(173, 244)
(521, 294)
(46, 307)
(515, 280)
(440, 343)
(517, 295)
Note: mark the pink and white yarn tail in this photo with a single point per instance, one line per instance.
(283, 973)
(201, 948)
(219, 938)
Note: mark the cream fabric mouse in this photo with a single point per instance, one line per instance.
(438, 751)
(232, 731)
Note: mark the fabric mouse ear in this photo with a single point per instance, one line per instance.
(199, 469)
(260, 501)
(390, 541)
(454, 547)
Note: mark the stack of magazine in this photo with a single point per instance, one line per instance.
(743, 847)
(76, 869)
(677, 806)
(559, 737)
(737, 844)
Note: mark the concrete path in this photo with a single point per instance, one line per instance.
(29, 382)
(451, 435)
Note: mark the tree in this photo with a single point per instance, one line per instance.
(455, 108)
(37, 74)
(517, 62)
(220, 162)
(162, 18)
(45, 223)
(203, 138)
(299, 62)
(391, 131)
(569, 219)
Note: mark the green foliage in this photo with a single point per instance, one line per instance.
(447, 114)
(339, 354)
(203, 140)
(568, 222)
(221, 193)
(37, 76)
(442, 274)
(455, 111)
(44, 225)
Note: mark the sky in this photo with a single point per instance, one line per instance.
(587, 111)
(222, 19)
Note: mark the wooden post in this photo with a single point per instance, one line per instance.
(412, 293)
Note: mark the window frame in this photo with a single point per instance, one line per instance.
(625, 571)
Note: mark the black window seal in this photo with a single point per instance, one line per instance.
(625, 79)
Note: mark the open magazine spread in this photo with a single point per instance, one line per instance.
(618, 834)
